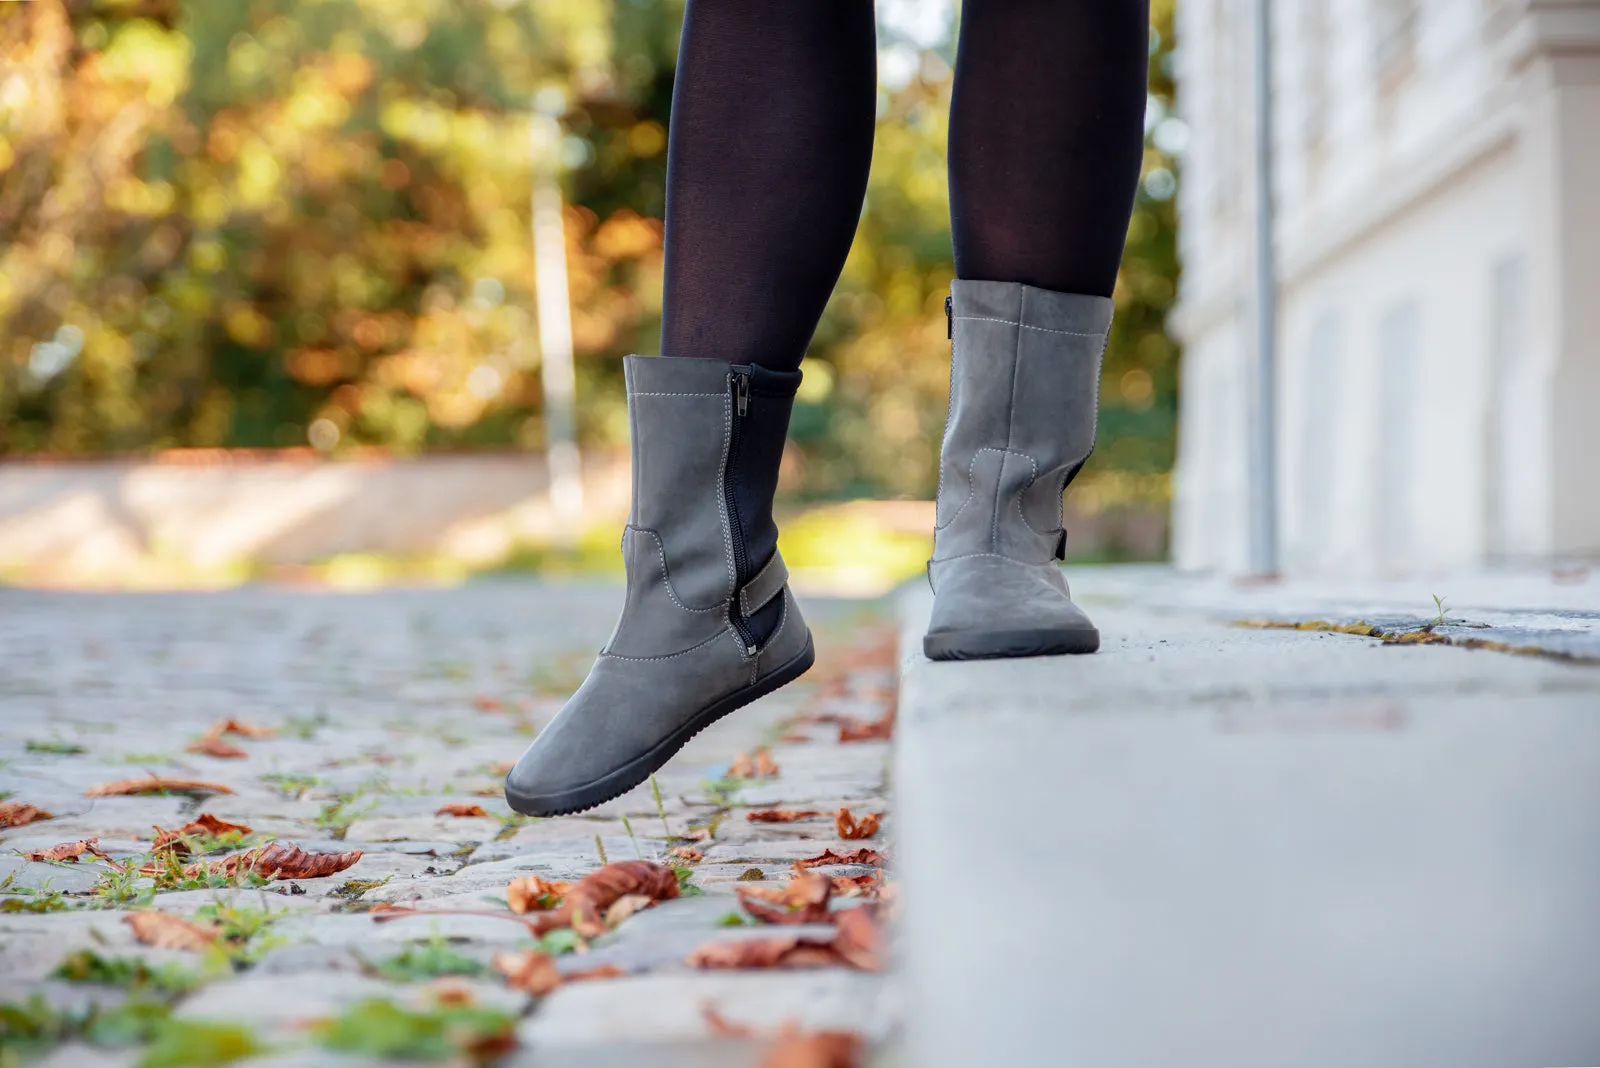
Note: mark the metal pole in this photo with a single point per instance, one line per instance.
(553, 304)
(1263, 444)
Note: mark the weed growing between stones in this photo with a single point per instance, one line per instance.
(57, 746)
(129, 973)
(293, 787)
(433, 959)
(244, 933)
(379, 1028)
(338, 814)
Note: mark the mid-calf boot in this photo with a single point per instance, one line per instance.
(708, 624)
(1024, 388)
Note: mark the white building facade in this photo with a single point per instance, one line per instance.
(1437, 190)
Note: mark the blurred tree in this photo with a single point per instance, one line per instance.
(274, 221)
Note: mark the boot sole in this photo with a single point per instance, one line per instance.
(637, 771)
(1005, 644)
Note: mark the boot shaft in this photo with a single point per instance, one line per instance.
(1024, 393)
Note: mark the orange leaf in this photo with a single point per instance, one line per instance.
(626, 906)
(756, 765)
(828, 856)
(18, 814)
(156, 784)
(856, 885)
(850, 828)
(239, 727)
(878, 730)
(804, 899)
(857, 939)
(485, 703)
(501, 768)
(461, 808)
(602, 971)
(781, 815)
(531, 893)
(532, 971)
(687, 855)
(586, 903)
(213, 746)
(819, 1049)
(793, 737)
(272, 861)
(165, 931)
(65, 851)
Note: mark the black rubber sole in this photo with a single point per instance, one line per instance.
(641, 768)
(1004, 644)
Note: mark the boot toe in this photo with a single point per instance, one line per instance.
(990, 606)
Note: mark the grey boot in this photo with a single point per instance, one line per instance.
(1024, 389)
(709, 624)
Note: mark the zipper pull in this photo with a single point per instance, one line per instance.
(741, 391)
(949, 319)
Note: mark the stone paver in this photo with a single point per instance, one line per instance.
(1225, 845)
(384, 707)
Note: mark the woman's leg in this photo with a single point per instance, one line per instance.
(770, 141)
(1046, 135)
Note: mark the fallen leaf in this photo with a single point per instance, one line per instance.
(453, 994)
(803, 899)
(502, 767)
(204, 824)
(828, 856)
(166, 931)
(156, 784)
(817, 1049)
(722, 1027)
(687, 855)
(756, 765)
(461, 808)
(532, 971)
(696, 834)
(485, 703)
(18, 814)
(856, 885)
(626, 906)
(781, 815)
(851, 828)
(65, 851)
(215, 747)
(786, 952)
(586, 903)
(274, 860)
(531, 894)
(857, 939)
(878, 730)
(794, 737)
(239, 727)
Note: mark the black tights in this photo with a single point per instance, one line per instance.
(771, 138)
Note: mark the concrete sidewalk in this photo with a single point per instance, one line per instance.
(1223, 845)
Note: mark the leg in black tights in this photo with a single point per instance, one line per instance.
(1046, 136)
(771, 138)
(769, 145)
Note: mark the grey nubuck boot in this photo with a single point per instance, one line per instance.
(1024, 389)
(708, 624)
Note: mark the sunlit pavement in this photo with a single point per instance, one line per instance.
(1225, 840)
(384, 709)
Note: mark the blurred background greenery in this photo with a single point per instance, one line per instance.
(267, 222)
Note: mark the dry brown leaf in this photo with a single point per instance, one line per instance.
(696, 834)
(586, 903)
(532, 971)
(804, 899)
(781, 815)
(857, 885)
(626, 906)
(687, 855)
(461, 808)
(818, 1049)
(156, 784)
(794, 737)
(746, 953)
(531, 893)
(485, 703)
(66, 851)
(600, 971)
(858, 941)
(239, 727)
(755, 765)
(204, 824)
(878, 730)
(450, 994)
(851, 828)
(502, 767)
(166, 931)
(213, 746)
(275, 860)
(828, 856)
(19, 814)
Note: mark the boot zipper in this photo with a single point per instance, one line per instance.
(740, 383)
(949, 318)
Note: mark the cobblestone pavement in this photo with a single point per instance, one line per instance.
(384, 709)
